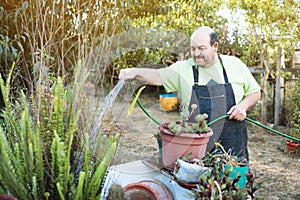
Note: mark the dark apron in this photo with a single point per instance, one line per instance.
(215, 100)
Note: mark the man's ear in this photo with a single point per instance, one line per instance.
(216, 45)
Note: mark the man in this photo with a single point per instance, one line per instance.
(218, 84)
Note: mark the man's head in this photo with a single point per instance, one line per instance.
(204, 46)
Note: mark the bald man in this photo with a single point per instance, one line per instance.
(218, 84)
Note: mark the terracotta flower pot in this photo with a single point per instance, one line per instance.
(7, 197)
(147, 190)
(291, 145)
(174, 146)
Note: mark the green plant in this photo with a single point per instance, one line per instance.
(292, 113)
(295, 124)
(45, 153)
(227, 159)
(217, 184)
(199, 126)
(188, 158)
(115, 192)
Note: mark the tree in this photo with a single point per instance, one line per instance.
(272, 24)
(52, 36)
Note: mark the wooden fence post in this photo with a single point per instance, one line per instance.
(278, 88)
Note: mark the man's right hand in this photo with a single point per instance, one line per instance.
(126, 74)
(146, 75)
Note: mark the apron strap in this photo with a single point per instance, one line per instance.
(196, 75)
(195, 72)
(224, 71)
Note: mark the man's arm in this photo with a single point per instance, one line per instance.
(147, 75)
(238, 111)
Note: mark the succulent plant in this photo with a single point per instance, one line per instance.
(200, 126)
(201, 118)
(175, 128)
(217, 184)
(115, 192)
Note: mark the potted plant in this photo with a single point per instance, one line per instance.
(219, 185)
(183, 137)
(179, 138)
(295, 132)
(234, 166)
(228, 177)
(188, 170)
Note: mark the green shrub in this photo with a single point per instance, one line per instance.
(292, 103)
(295, 124)
(44, 153)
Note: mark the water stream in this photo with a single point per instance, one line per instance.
(108, 101)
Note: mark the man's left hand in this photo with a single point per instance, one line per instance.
(237, 113)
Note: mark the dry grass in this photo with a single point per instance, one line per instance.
(279, 169)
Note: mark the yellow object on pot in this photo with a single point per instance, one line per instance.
(168, 102)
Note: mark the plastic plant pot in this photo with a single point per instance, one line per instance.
(235, 170)
(174, 146)
(168, 102)
(292, 146)
(189, 172)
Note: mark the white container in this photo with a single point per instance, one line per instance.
(189, 172)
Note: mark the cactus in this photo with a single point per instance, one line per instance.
(115, 192)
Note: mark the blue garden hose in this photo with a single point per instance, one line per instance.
(222, 117)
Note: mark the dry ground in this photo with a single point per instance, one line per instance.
(278, 169)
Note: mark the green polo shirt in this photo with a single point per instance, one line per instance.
(179, 77)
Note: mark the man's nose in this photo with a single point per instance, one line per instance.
(197, 52)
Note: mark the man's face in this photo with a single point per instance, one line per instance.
(201, 50)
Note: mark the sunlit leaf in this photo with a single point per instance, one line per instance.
(131, 107)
